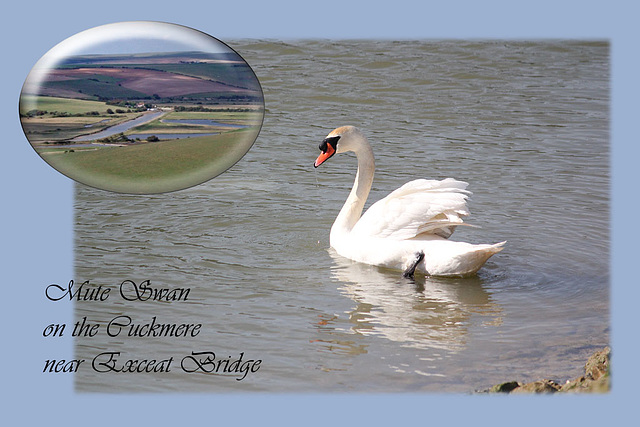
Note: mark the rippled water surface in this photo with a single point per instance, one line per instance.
(525, 123)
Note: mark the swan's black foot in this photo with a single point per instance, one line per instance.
(408, 273)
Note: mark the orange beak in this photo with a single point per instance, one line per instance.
(324, 156)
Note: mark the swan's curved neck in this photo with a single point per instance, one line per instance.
(352, 209)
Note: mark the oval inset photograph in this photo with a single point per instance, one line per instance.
(141, 107)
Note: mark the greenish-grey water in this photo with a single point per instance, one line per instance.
(525, 123)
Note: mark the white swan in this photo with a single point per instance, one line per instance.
(409, 228)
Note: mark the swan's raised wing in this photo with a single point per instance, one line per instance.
(419, 207)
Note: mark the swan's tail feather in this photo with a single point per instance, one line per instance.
(486, 252)
(494, 249)
(473, 260)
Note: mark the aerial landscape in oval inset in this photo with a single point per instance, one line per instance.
(141, 107)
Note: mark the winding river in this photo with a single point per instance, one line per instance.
(121, 127)
(204, 122)
(148, 117)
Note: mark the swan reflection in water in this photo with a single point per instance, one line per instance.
(423, 313)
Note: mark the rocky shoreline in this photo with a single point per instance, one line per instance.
(596, 379)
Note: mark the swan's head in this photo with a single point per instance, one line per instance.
(340, 140)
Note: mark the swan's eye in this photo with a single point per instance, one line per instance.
(332, 141)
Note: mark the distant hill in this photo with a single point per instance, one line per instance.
(202, 77)
(149, 58)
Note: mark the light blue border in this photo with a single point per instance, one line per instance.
(37, 235)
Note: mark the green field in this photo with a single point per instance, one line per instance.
(154, 167)
(50, 103)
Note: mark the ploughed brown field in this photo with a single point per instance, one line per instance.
(150, 82)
